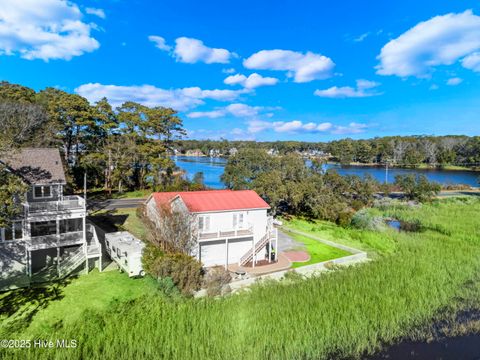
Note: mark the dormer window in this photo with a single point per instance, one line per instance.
(40, 192)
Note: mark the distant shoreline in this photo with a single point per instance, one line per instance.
(375, 165)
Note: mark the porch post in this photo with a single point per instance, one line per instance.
(276, 244)
(226, 253)
(57, 229)
(58, 261)
(269, 248)
(85, 228)
(29, 265)
(253, 252)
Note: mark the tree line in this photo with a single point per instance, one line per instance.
(121, 148)
(293, 186)
(408, 151)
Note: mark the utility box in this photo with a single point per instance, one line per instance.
(126, 250)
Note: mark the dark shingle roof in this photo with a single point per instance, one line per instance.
(36, 165)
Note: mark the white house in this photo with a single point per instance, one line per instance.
(233, 226)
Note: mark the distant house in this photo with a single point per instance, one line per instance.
(232, 226)
(196, 152)
(51, 237)
(233, 151)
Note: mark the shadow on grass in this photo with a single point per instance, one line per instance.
(108, 221)
(18, 307)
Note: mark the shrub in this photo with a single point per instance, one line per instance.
(363, 219)
(184, 270)
(167, 286)
(216, 281)
(345, 217)
(411, 226)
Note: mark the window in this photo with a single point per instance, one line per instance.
(238, 220)
(71, 225)
(40, 192)
(204, 223)
(12, 232)
(42, 228)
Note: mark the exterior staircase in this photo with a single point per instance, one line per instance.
(69, 265)
(258, 246)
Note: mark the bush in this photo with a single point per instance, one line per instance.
(167, 286)
(184, 270)
(366, 221)
(216, 281)
(345, 217)
(411, 226)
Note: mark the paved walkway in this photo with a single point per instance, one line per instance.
(286, 242)
(282, 264)
(297, 256)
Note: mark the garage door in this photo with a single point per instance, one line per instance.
(213, 252)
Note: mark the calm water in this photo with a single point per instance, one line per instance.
(212, 169)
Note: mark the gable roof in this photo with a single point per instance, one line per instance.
(213, 200)
(37, 166)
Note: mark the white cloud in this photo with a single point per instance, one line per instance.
(302, 67)
(160, 42)
(472, 62)
(454, 81)
(362, 90)
(189, 50)
(44, 29)
(228, 71)
(97, 12)
(434, 87)
(352, 128)
(361, 37)
(179, 99)
(237, 110)
(252, 81)
(256, 126)
(442, 40)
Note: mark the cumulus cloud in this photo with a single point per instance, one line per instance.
(472, 62)
(159, 42)
(363, 89)
(44, 29)
(179, 99)
(442, 40)
(237, 110)
(303, 67)
(454, 81)
(252, 81)
(97, 12)
(189, 50)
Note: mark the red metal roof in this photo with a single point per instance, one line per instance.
(214, 200)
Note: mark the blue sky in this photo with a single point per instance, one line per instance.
(264, 70)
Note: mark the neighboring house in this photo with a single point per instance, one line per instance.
(232, 227)
(196, 152)
(50, 238)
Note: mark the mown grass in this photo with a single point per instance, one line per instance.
(317, 250)
(63, 303)
(374, 243)
(341, 313)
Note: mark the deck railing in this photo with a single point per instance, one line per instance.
(67, 203)
(246, 230)
(46, 241)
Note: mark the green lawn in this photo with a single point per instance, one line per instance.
(43, 309)
(373, 242)
(318, 251)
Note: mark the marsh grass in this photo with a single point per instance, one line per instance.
(341, 313)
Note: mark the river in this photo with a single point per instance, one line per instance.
(212, 169)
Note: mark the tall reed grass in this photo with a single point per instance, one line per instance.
(342, 313)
